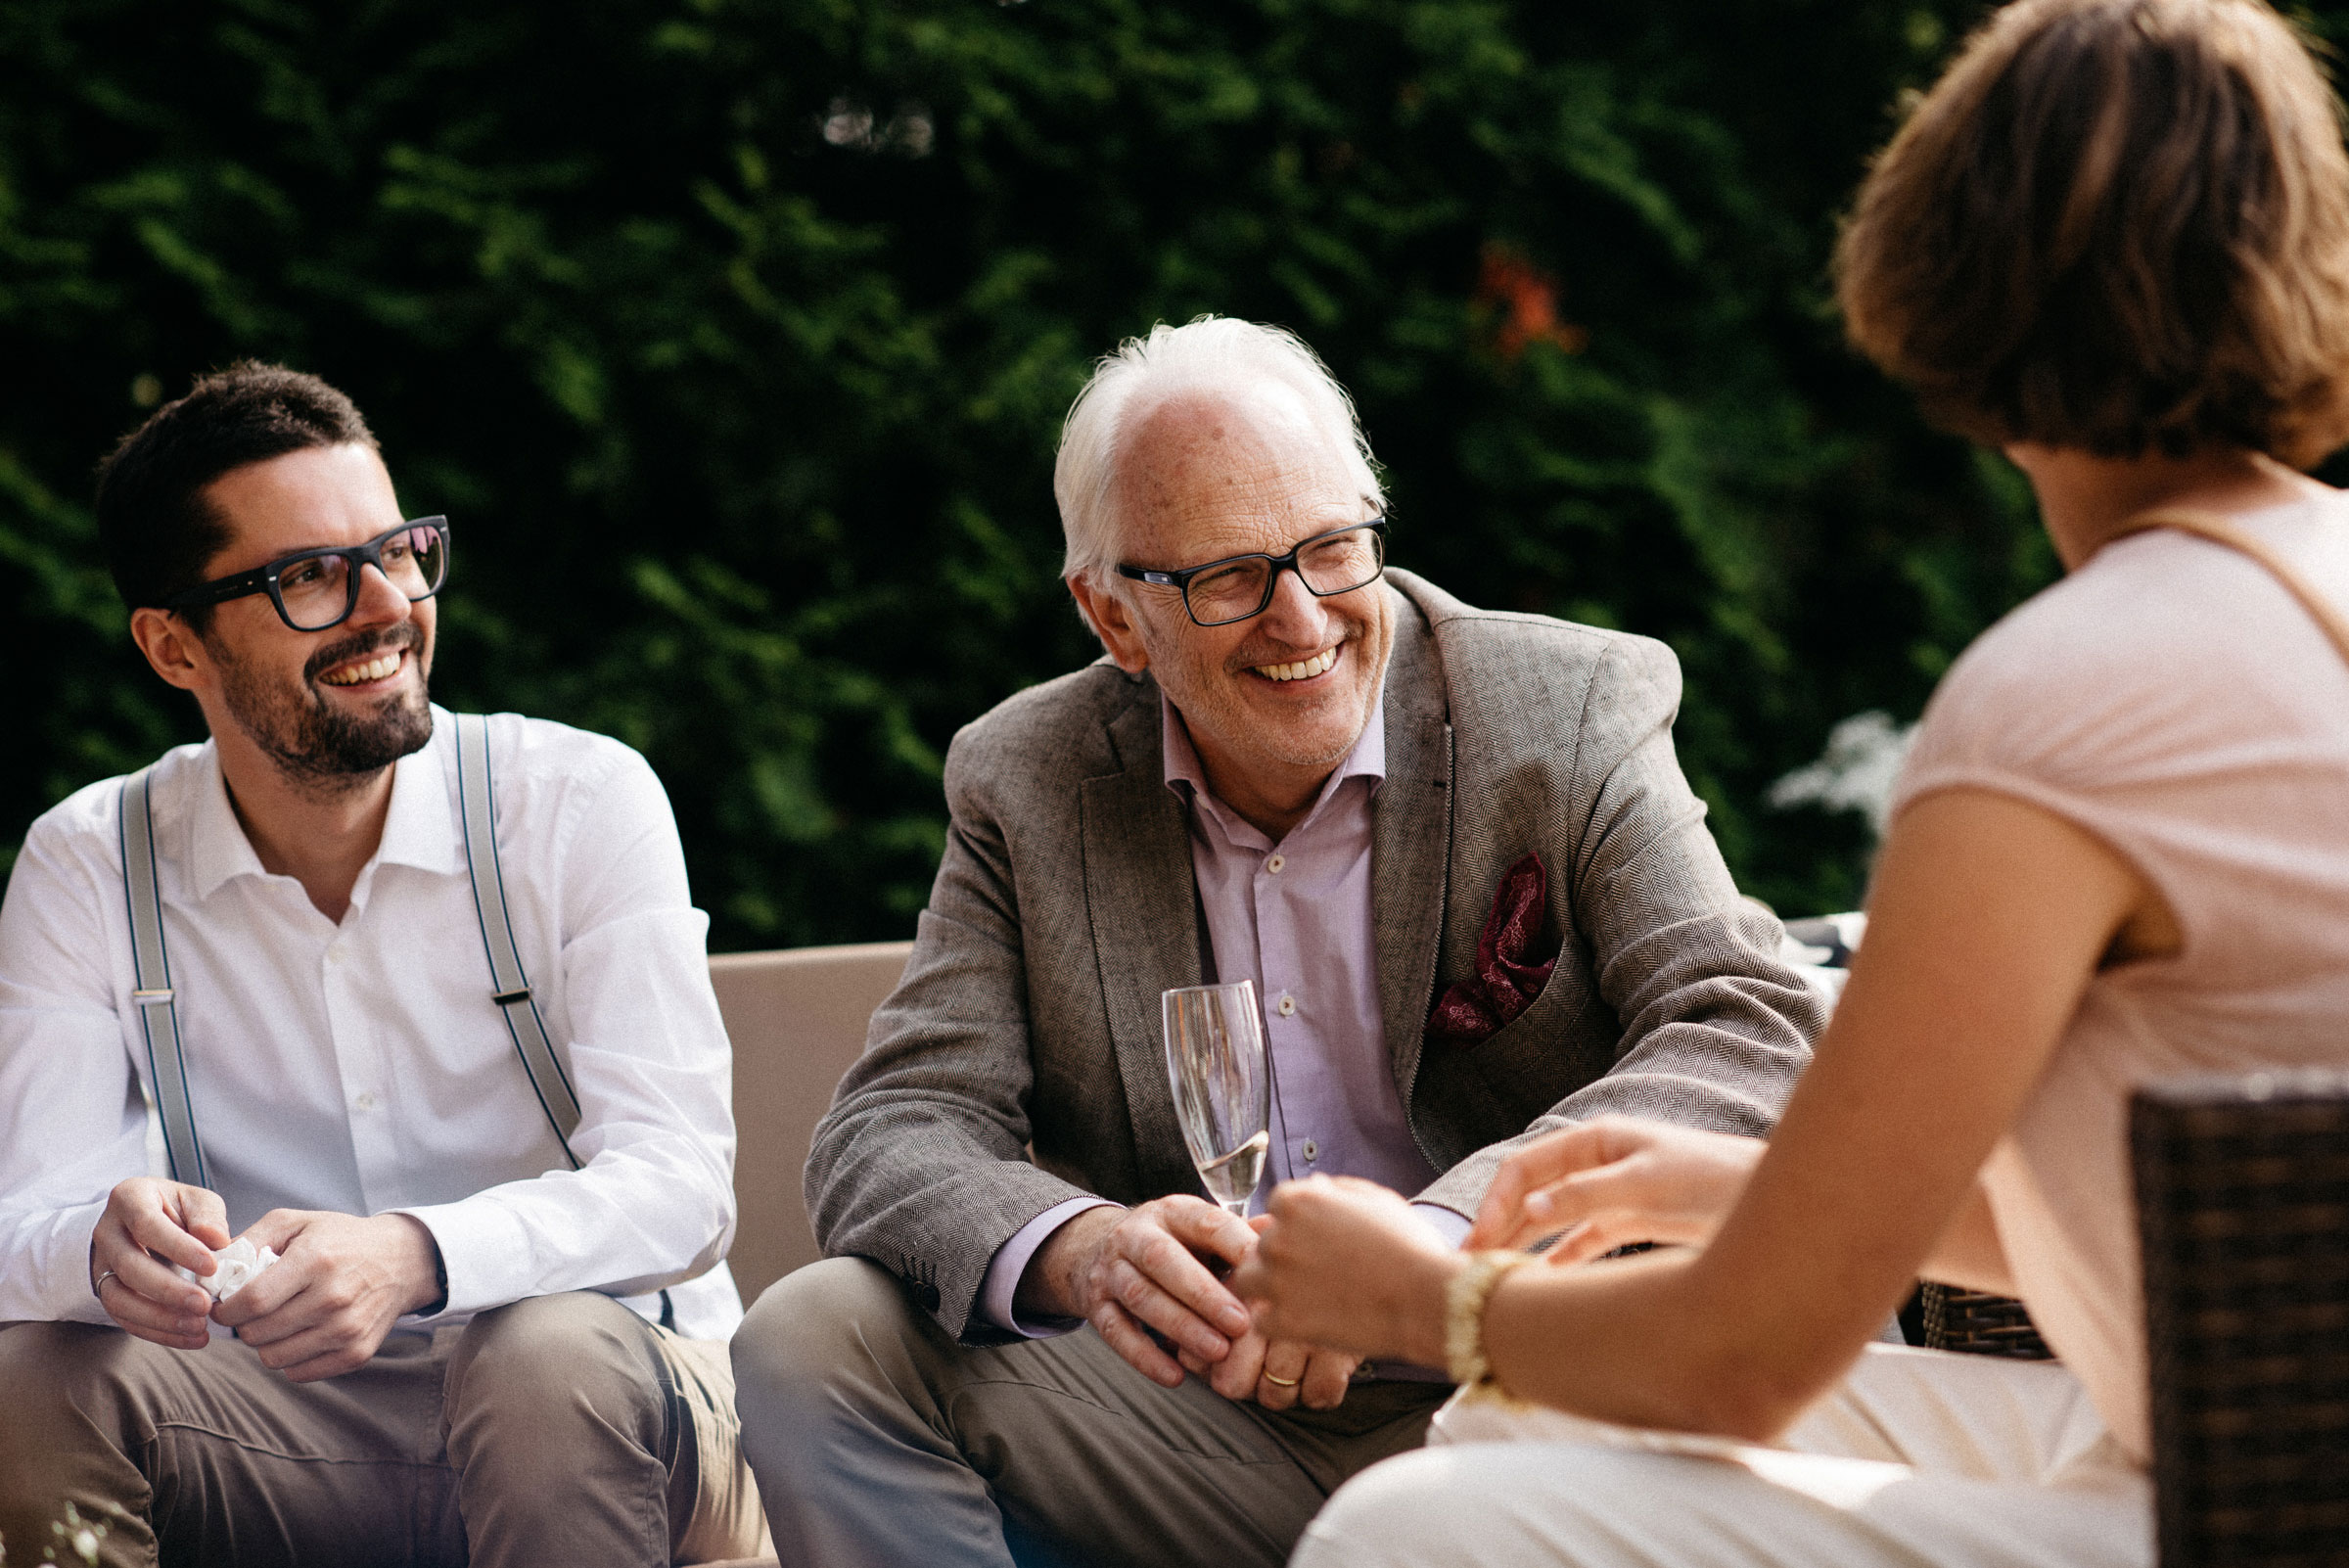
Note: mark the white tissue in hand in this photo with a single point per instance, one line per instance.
(234, 1268)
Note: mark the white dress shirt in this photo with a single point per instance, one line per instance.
(360, 1066)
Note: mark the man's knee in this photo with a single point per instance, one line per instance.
(66, 1391)
(61, 1375)
(47, 1368)
(552, 1364)
(805, 1336)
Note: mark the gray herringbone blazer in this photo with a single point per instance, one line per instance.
(1028, 1014)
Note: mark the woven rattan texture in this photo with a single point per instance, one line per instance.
(2243, 1190)
(1980, 1324)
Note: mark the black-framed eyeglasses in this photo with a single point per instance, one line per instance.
(315, 589)
(1239, 587)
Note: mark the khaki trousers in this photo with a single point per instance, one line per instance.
(561, 1430)
(1919, 1458)
(877, 1439)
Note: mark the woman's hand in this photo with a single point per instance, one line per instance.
(1344, 1263)
(1611, 1182)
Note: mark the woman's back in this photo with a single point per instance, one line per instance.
(2174, 699)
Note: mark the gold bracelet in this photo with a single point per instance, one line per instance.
(1465, 1297)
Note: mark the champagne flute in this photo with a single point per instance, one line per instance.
(1223, 1085)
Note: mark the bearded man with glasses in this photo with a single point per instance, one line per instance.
(1453, 851)
(424, 1010)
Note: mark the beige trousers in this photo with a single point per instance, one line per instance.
(1918, 1459)
(879, 1441)
(561, 1430)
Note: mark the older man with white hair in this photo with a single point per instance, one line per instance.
(1453, 851)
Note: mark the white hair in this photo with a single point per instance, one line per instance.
(1211, 354)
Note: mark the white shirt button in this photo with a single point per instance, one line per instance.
(1288, 1004)
(1312, 1151)
(366, 1100)
(337, 952)
(1274, 864)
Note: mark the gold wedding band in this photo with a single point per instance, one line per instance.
(1282, 1382)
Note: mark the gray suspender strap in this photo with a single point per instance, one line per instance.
(477, 805)
(158, 1015)
(167, 1064)
(510, 987)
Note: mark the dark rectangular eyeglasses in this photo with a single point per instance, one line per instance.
(1239, 587)
(315, 589)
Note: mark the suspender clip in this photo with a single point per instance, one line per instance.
(507, 999)
(152, 999)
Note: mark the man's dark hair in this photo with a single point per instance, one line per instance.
(152, 522)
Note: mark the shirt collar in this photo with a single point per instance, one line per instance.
(217, 849)
(1180, 758)
(420, 829)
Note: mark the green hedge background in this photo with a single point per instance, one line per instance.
(734, 337)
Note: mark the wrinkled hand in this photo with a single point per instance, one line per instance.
(1349, 1264)
(1614, 1180)
(149, 1226)
(1127, 1271)
(338, 1287)
(1316, 1378)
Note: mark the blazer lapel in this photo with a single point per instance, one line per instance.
(1144, 912)
(1411, 841)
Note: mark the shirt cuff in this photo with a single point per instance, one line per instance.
(1002, 1281)
(64, 1265)
(473, 1238)
(1449, 1224)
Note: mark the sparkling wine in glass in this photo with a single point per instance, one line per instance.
(1223, 1085)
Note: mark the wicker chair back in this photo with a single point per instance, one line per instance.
(2242, 1191)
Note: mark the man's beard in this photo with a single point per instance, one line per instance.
(324, 746)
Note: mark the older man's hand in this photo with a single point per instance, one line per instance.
(1279, 1374)
(1132, 1271)
(1127, 1271)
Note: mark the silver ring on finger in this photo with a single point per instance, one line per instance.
(99, 1289)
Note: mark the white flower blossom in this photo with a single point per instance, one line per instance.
(1857, 772)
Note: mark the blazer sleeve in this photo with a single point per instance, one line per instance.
(922, 1163)
(1713, 1028)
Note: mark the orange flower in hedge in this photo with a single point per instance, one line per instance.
(1527, 298)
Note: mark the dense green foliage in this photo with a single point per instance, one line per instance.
(734, 335)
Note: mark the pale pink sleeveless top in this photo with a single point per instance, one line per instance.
(2174, 699)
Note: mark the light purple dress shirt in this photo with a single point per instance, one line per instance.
(1296, 917)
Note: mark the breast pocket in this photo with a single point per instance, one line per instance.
(1560, 1042)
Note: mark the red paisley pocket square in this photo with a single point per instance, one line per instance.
(1504, 984)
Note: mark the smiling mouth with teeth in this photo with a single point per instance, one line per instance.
(1302, 670)
(359, 674)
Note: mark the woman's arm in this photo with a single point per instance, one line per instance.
(1619, 1180)
(1988, 918)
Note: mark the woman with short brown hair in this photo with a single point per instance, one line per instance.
(2112, 240)
(2116, 228)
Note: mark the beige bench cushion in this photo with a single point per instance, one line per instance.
(798, 1019)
